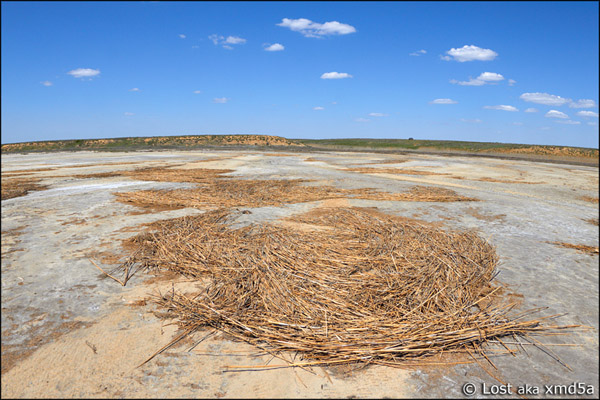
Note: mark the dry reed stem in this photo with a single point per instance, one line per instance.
(591, 250)
(372, 289)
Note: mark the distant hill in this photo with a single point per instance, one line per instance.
(141, 143)
(455, 147)
(587, 155)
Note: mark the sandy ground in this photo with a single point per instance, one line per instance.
(68, 331)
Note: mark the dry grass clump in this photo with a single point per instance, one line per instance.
(371, 288)
(394, 171)
(17, 187)
(487, 179)
(591, 250)
(260, 193)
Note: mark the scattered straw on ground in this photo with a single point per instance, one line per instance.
(371, 288)
(394, 171)
(17, 187)
(261, 193)
(591, 250)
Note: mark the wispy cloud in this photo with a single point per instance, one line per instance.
(274, 47)
(309, 28)
(511, 82)
(569, 122)
(220, 100)
(134, 89)
(470, 53)
(482, 79)
(443, 101)
(197, 91)
(584, 103)
(531, 110)
(84, 72)
(335, 75)
(587, 114)
(593, 123)
(129, 114)
(501, 107)
(376, 114)
(181, 35)
(471, 121)
(46, 83)
(318, 108)
(418, 53)
(226, 42)
(556, 114)
(517, 123)
(544, 98)
(362, 120)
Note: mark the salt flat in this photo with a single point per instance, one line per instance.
(69, 331)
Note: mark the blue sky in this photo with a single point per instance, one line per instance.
(515, 72)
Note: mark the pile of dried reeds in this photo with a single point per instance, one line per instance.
(360, 287)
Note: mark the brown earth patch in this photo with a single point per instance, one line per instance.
(589, 199)
(593, 221)
(484, 217)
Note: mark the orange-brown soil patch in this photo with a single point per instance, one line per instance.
(589, 199)
(484, 217)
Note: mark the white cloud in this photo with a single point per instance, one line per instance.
(275, 47)
(569, 122)
(235, 40)
(318, 108)
(181, 35)
(511, 82)
(129, 114)
(501, 107)
(84, 72)
(443, 101)
(556, 114)
(134, 89)
(584, 103)
(418, 53)
(309, 28)
(219, 40)
(531, 110)
(482, 79)
(376, 114)
(197, 91)
(470, 53)
(593, 123)
(335, 75)
(362, 120)
(220, 100)
(544, 98)
(587, 114)
(472, 121)
(46, 83)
